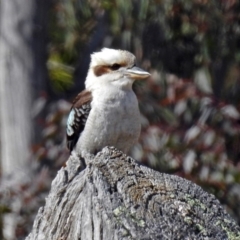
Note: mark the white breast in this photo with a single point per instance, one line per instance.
(114, 120)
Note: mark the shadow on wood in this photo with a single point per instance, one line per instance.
(116, 198)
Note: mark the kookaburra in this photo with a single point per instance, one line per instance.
(106, 113)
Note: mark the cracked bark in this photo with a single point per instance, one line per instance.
(116, 198)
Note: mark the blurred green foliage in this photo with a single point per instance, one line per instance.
(60, 74)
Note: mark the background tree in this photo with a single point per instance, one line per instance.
(22, 80)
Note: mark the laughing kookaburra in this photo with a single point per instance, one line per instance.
(106, 113)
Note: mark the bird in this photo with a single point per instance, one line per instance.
(106, 112)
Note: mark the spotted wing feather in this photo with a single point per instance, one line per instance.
(78, 117)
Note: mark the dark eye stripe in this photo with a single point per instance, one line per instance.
(103, 69)
(100, 70)
(115, 66)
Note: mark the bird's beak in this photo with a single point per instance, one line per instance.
(137, 73)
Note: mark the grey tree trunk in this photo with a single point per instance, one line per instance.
(22, 70)
(116, 198)
(16, 72)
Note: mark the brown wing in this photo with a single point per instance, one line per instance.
(77, 117)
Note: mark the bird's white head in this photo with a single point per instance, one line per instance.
(111, 67)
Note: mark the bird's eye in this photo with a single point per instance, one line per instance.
(115, 66)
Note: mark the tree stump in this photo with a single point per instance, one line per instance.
(115, 197)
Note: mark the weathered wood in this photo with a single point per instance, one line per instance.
(116, 198)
